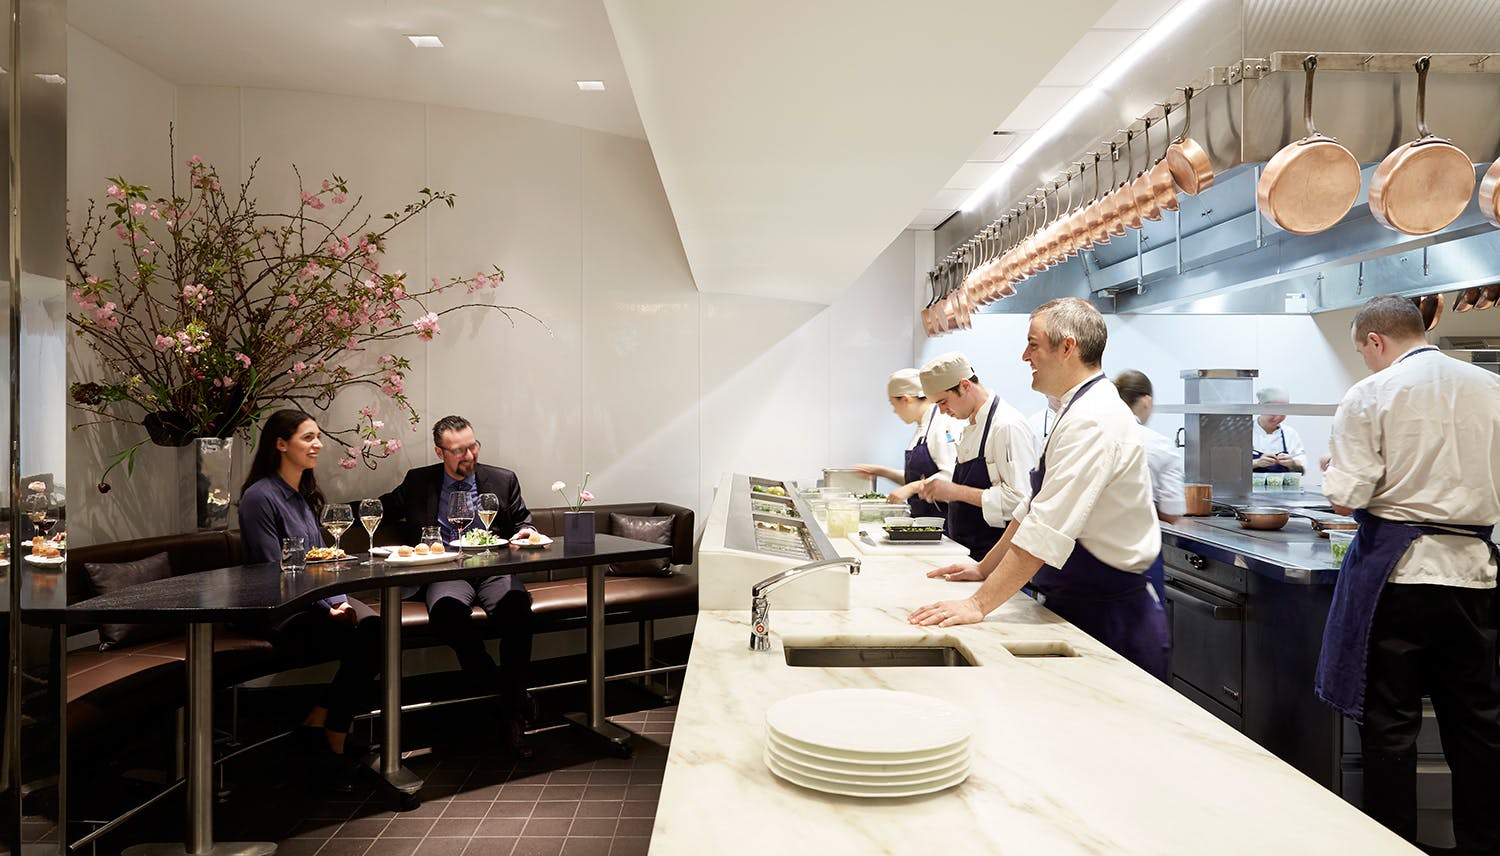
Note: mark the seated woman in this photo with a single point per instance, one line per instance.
(281, 499)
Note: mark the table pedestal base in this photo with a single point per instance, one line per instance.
(400, 778)
(223, 848)
(616, 736)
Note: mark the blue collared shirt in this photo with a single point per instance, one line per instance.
(445, 493)
(271, 510)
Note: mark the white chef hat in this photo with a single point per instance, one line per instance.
(904, 382)
(944, 372)
(1272, 395)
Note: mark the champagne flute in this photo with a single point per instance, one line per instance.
(370, 512)
(460, 514)
(489, 506)
(337, 518)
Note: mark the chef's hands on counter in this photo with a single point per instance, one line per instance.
(1004, 569)
(888, 473)
(947, 613)
(1264, 460)
(965, 571)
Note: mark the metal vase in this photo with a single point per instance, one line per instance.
(578, 529)
(203, 484)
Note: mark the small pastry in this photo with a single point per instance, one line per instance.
(403, 551)
(422, 550)
(437, 547)
(534, 538)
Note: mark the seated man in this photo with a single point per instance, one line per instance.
(422, 499)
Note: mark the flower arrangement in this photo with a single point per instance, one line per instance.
(583, 493)
(208, 312)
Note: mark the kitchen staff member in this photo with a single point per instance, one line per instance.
(1041, 422)
(1162, 457)
(933, 448)
(1276, 448)
(1088, 535)
(1415, 451)
(995, 452)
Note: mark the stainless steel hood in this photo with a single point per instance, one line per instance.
(1218, 255)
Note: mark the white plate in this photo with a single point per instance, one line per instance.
(381, 551)
(542, 543)
(51, 561)
(872, 722)
(830, 760)
(429, 559)
(869, 775)
(475, 548)
(4, 563)
(344, 558)
(876, 791)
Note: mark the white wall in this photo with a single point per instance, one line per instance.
(645, 382)
(1309, 356)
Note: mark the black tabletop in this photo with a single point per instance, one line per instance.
(262, 591)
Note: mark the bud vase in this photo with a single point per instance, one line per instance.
(578, 529)
(203, 484)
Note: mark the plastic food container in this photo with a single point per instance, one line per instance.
(848, 478)
(876, 511)
(1338, 542)
(843, 517)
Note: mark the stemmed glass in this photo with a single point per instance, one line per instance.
(38, 508)
(489, 506)
(460, 514)
(370, 512)
(337, 518)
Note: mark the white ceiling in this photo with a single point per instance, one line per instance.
(507, 56)
(795, 140)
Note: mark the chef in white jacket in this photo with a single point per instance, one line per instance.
(1277, 447)
(933, 449)
(1041, 422)
(1088, 537)
(1162, 455)
(995, 453)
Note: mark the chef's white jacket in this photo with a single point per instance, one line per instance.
(1270, 444)
(1420, 442)
(1009, 455)
(1164, 460)
(1097, 491)
(942, 440)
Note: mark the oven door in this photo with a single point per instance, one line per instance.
(1207, 646)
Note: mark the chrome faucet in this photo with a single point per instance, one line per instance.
(760, 609)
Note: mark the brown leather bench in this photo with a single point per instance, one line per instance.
(110, 690)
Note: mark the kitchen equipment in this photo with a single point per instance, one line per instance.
(1467, 298)
(877, 510)
(1161, 172)
(1098, 229)
(1145, 194)
(1261, 517)
(1189, 163)
(843, 517)
(1490, 297)
(1116, 201)
(847, 478)
(1338, 543)
(1310, 185)
(913, 533)
(876, 542)
(1129, 199)
(1218, 445)
(869, 726)
(1489, 194)
(1425, 184)
(1431, 307)
(1199, 499)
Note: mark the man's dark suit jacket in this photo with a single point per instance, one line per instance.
(414, 502)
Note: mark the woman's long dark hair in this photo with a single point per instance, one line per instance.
(267, 461)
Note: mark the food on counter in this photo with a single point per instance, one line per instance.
(872, 495)
(773, 490)
(322, 554)
(403, 551)
(535, 538)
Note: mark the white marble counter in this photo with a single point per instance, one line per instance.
(1071, 755)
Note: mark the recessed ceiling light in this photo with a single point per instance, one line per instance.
(425, 41)
(55, 79)
(591, 85)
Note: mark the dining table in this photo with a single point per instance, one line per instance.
(262, 594)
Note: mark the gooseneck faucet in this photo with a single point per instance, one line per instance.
(760, 609)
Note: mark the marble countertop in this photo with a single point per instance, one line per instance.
(1071, 755)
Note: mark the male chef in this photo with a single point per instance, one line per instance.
(1275, 447)
(1415, 451)
(1088, 535)
(995, 453)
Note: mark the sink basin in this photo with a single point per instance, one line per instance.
(852, 657)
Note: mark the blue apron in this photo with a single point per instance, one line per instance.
(966, 523)
(920, 465)
(1115, 607)
(1274, 468)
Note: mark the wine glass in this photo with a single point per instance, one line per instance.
(39, 511)
(489, 506)
(370, 512)
(460, 514)
(337, 518)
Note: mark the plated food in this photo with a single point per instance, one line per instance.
(45, 549)
(410, 556)
(531, 539)
(477, 539)
(325, 554)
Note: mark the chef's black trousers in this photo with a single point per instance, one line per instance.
(1437, 641)
(508, 607)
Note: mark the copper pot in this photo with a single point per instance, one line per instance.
(1467, 298)
(1145, 195)
(1098, 229)
(1199, 499)
(1431, 308)
(1115, 202)
(1311, 184)
(1425, 184)
(1161, 172)
(1189, 163)
(1489, 194)
(1262, 517)
(1490, 297)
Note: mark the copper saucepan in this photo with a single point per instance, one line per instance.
(1425, 184)
(1145, 194)
(1431, 307)
(1191, 168)
(1129, 200)
(1114, 201)
(1489, 194)
(1098, 229)
(1261, 517)
(1467, 298)
(1490, 297)
(1161, 172)
(1311, 184)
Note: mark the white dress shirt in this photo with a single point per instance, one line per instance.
(1420, 442)
(1271, 444)
(1164, 460)
(1097, 491)
(1009, 455)
(942, 440)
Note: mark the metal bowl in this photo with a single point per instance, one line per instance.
(1262, 517)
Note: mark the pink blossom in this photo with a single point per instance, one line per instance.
(311, 270)
(348, 463)
(244, 359)
(371, 442)
(195, 160)
(392, 446)
(215, 186)
(298, 368)
(337, 247)
(164, 342)
(351, 453)
(338, 198)
(292, 299)
(367, 411)
(122, 232)
(115, 191)
(228, 381)
(155, 214)
(586, 496)
(327, 184)
(377, 424)
(426, 326)
(387, 360)
(87, 300)
(137, 208)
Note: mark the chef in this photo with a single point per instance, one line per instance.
(1088, 535)
(1162, 456)
(1041, 422)
(1415, 451)
(995, 452)
(933, 448)
(1275, 447)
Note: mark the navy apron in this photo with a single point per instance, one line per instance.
(1115, 607)
(920, 465)
(1276, 468)
(966, 523)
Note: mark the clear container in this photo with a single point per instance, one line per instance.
(1338, 542)
(876, 510)
(1291, 481)
(819, 509)
(1273, 481)
(1258, 481)
(843, 517)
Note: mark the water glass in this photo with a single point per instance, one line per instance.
(293, 555)
(432, 535)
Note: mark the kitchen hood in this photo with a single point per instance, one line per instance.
(1218, 255)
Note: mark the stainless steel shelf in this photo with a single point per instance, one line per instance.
(1250, 409)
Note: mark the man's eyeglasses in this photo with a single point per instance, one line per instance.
(472, 448)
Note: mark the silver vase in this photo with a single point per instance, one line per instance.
(203, 484)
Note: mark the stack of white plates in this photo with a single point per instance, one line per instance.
(868, 742)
